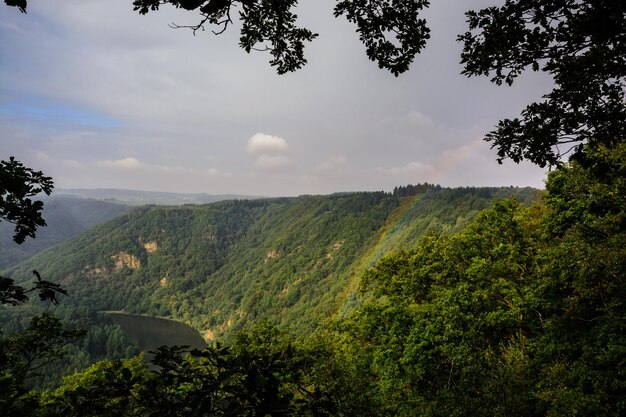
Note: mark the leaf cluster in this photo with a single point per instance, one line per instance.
(378, 21)
(15, 294)
(267, 25)
(581, 45)
(391, 30)
(17, 184)
(20, 4)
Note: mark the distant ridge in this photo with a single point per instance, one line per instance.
(136, 197)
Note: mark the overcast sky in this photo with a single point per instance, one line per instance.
(98, 96)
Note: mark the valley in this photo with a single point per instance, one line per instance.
(222, 267)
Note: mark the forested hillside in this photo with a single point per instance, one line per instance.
(221, 267)
(66, 216)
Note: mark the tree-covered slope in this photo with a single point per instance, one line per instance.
(66, 216)
(223, 266)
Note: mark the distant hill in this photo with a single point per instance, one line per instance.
(226, 265)
(66, 216)
(136, 198)
(72, 211)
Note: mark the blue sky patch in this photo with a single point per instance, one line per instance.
(52, 112)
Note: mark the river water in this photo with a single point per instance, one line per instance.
(148, 333)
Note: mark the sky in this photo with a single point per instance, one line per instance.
(97, 96)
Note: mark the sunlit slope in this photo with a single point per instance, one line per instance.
(222, 266)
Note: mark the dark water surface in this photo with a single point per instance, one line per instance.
(148, 333)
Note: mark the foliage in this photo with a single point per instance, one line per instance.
(17, 184)
(378, 19)
(581, 45)
(20, 4)
(107, 388)
(267, 25)
(24, 354)
(391, 30)
(442, 317)
(262, 373)
(14, 294)
(582, 294)
(522, 313)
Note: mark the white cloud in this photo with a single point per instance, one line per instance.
(412, 172)
(133, 164)
(262, 144)
(271, 153)
(126, 163)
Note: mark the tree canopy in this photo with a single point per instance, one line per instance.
(522, 313)
(17, 184)
(581, 45)
(391, 30)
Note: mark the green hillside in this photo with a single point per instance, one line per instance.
(224, 266)
(66, 216)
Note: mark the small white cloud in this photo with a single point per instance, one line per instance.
(414, 167)
(133, 164)
(267, 162)
(261, 143)
(271, 153)
(126, 163)
(412, 172)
